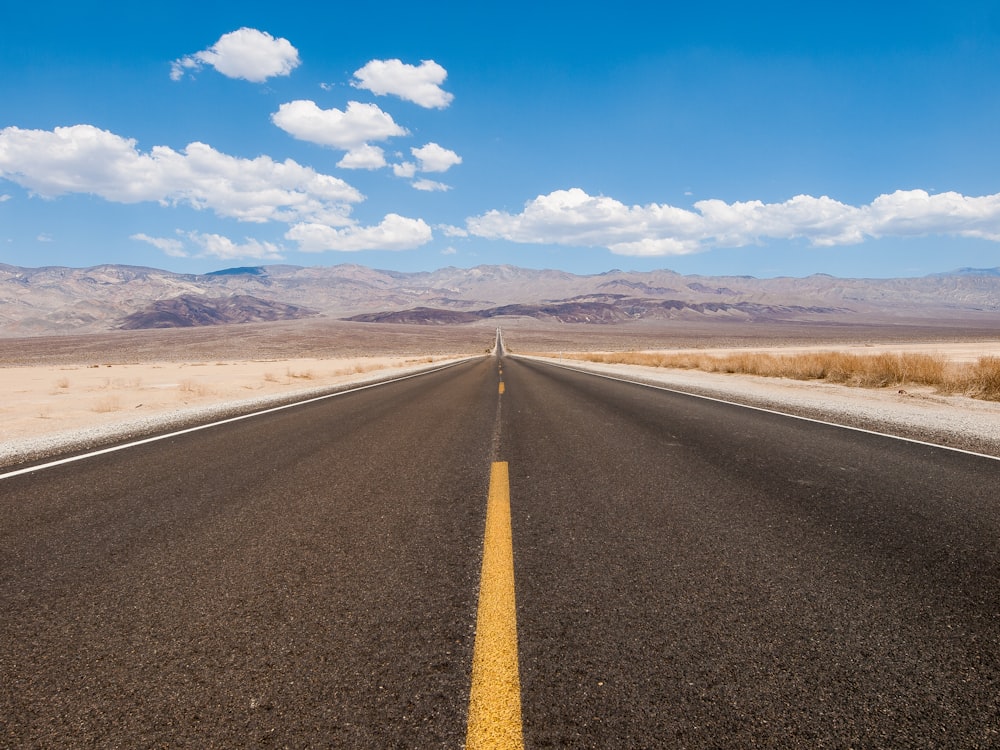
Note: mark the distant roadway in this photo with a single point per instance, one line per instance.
(687, 574)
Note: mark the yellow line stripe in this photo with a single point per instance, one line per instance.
(495, 698)
(501, 386)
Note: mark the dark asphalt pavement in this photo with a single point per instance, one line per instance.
(688, 574)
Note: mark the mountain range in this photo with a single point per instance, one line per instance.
(51, 300)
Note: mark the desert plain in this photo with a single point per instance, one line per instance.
(81, 390)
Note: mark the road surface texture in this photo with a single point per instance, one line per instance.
(688, 574)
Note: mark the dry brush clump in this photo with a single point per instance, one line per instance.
(979, 380)
(106, 405)
(189, 387)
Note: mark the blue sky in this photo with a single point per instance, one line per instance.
(856, 139)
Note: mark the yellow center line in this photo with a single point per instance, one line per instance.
(501, 386)
(495, 697)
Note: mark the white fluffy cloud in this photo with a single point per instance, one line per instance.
(86, 159)
(393, 233)
(430, 158)
(365, 156)
(406, 170)
(434, 158)
(449, 230)
(572, 217)
(908, 213)
(350, 129)
(420, 84)
(245, 53)
(217, 246)
(169, 245)
(431, 186)
(213, 246)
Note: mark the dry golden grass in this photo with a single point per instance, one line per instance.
(106, 405)
(979, 380)
(982, 379)
(190, 387)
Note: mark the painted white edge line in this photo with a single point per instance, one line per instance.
(762, 409)
(228, 420)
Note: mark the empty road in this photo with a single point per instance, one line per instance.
(687, 574)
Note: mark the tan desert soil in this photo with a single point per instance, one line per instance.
(332, 339)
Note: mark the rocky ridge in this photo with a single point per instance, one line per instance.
(40, 301)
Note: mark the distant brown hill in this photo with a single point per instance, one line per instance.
(41, 301)
(190, 310)
(606, 309)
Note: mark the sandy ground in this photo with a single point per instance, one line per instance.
(46, 407)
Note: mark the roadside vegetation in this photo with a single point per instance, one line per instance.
(979, 379)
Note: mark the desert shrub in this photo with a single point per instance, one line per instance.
(193, 388)
(867, 371)
(982, 379)
(107, 404)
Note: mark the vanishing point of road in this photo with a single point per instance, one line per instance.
(657, 570)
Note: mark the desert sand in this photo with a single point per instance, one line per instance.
(38, 400)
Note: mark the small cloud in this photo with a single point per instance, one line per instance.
(217, 246)
(434, 158)
(347, 129)
(172, 247)
(449, 230)
(449, 251)
(394, 233)
(44, 238)
(430, 186)
(328, 86)
(213, 246)
(406, 169)
(420, 84)
(245, 53)
(4, 198)
(363, 157)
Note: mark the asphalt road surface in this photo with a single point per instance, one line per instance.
(688, 574)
